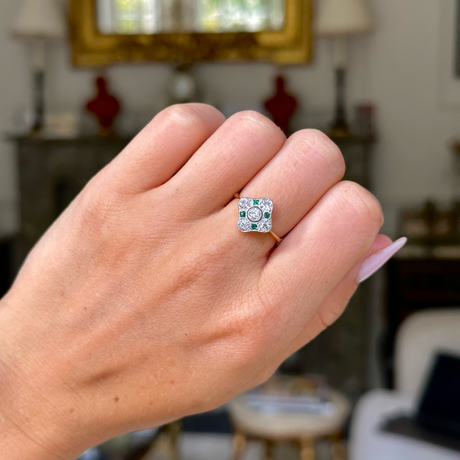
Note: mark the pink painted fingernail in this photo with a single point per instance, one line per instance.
(380, 258)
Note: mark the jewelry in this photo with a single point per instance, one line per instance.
(255, 215)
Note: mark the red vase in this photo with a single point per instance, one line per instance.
(105, 107)
(281, 106)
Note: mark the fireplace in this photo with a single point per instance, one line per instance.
(51, 173)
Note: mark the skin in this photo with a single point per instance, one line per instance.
(144, 303)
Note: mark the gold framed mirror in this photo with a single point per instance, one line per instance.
(108, 31)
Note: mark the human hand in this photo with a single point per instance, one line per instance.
(144, 303)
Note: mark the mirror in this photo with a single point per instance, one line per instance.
(201, 16)
(107, 31)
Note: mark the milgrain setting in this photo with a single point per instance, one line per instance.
(255, 214)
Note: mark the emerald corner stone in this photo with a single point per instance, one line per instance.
(243, 214)
(254, 202)
(254, 226)
(267, 215)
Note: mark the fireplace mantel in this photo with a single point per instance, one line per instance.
(52, 171)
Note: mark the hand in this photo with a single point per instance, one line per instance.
(144, 303)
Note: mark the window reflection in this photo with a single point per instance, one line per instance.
(155, 16)
(239, 15)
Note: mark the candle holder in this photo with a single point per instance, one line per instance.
(38, 22)
(339, 19)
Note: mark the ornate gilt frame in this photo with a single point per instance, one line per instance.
(291, 45)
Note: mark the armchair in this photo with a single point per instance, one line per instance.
(419, 339)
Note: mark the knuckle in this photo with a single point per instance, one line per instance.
(190, 115)
(198, 264)
(256, 321)
(362, 203)
(327, 317)
(247, 320)
(192, 269)
(331, 311)
(258, 120)
(320, 144)
(264, 374)
(95, 207)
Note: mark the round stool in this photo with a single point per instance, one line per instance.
(302, 428)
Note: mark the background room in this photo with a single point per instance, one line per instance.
(399, 63)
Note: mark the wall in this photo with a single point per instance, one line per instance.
(142, 89)
(399, 68)
(403, 67)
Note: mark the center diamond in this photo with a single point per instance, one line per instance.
(254, 214)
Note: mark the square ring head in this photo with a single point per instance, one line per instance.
(255, 214)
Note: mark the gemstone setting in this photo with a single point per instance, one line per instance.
(244, 204)
(266, 205)
(255, 214)
(265, 227)
(244, 225)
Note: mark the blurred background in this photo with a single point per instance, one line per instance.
(79, 78)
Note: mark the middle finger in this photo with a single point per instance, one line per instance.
(226, 162)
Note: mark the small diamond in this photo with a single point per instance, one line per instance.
(254, 214)
(245, 203)
(244, 225)
(265, 227)
(266, 204)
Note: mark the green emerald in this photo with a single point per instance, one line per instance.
(243, 214)
(267, 215)
(254, 227)
(254, 202)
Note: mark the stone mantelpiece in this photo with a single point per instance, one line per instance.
(51, 173)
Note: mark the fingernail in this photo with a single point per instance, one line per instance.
(380, 258)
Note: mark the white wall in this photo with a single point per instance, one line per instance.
(400, 68)
(142, 90)
(404, 68)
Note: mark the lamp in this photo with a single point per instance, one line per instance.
(37, 22)
(338, 19)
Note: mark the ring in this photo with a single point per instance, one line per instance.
(255, 215)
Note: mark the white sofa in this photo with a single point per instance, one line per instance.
(420, 337)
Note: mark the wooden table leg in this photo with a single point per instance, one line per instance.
(239, 444)
(307, 449)
(339, 451)
(174, 433)
(338, 447)
(269, 450)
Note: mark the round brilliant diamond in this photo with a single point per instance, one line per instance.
(265, 227)
(266, 205)
(254, 214)
(244, 225)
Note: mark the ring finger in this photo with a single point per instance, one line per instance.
(306, 167)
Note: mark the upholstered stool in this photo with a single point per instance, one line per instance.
(302, 428)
